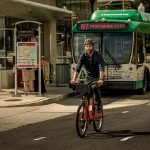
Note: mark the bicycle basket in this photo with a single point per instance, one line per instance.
(82, 88)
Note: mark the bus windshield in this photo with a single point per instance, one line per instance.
(78, 43)
(115, 47)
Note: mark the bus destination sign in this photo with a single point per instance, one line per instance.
(102, 26)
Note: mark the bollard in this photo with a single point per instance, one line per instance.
(0, 77)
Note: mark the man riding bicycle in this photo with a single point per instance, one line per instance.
(94, 66)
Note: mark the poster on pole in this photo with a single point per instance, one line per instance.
(27, 54)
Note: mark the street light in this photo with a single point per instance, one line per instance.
(92, 5)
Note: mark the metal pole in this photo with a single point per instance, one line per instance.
(71, 23)
(15, 30)
(39, 43)
(123, 4)
(92, 6)
(0, 77)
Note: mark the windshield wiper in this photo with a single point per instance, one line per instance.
(113, 59)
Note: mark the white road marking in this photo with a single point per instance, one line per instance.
(124, 112)
(127, 138)
(39, 139)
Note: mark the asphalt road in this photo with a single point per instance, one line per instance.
(126, 126)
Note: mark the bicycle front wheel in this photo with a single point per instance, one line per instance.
(81, 120)
(98, 118)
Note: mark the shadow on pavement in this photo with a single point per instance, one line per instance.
(117, 133)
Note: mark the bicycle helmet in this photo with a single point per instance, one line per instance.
(89, 41)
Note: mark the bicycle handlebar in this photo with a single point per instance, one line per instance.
(90, 83)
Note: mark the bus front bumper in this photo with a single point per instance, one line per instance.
(123, 85)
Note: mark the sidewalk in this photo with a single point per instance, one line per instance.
(54, 94)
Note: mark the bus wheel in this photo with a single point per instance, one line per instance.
(145, 85)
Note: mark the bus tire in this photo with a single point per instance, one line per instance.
(145, 83)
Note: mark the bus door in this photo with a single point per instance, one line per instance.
(140, 56)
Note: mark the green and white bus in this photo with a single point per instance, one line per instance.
(123, 38)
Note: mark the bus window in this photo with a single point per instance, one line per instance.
(78, 43)
(118, 46)
(147, 46)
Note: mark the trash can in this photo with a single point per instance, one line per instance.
(62, 73)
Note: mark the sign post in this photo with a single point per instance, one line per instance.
(73, 17)
(39, 41)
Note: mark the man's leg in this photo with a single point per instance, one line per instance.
(25, 76)
(25, 86)
(97, 95)
(31, 85)
(31, 79)
(98, 98)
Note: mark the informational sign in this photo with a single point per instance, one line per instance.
(26, 54)
(26, 33)
(102, 26)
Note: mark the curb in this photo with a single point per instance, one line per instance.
(44, 101)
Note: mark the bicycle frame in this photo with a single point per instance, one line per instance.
(91, 113)
(86, 113)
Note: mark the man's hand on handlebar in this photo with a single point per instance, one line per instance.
(100, 82)
(73, 82)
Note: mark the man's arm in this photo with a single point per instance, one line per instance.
(78, 68)
(101, 78)
(75, 76)
(101, 75)
(101, 72)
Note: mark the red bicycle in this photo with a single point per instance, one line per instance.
(87, 114)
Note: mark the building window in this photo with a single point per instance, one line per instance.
(74, 5)
(2, 22)
(2, 47)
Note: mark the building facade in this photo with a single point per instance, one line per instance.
(56, 21)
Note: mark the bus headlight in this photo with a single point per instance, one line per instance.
(130, 73)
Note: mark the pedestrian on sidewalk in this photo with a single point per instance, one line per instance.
(28, 78)
(42, 63)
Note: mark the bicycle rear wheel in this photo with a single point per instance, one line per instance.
(98, 118)
(81, 120)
